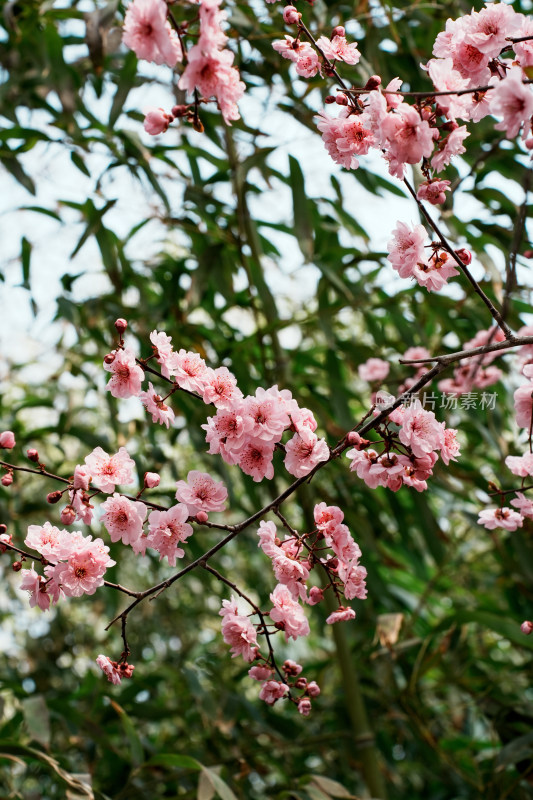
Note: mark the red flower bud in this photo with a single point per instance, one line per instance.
(54, 497)
(7, 479)
(16, 566)
(464, 255)
(121, 325)
(109, 358)
(329, 99)
(338, 31)
(526, 627)
(3, 529)
(341, 100)
(33, 454)
(373, 82)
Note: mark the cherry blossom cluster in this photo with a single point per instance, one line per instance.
(410, 448)
(521, 466)
(477, 373)
(469, 58)
(245, 430)
(293, 559)
(152, 32)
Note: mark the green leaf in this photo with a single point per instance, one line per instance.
(25, 258)
(37, 718)
(333, 788)
(136, 748)
(221, 788)
(126, 82)
(302, 217)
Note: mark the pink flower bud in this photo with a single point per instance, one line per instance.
(304, 706)
(313, 689)
(529, 144)
(33, 454)
(292, 668)
(528, 254)
(121, 325)
(301, 683)
(338, 31)
(151, 480)
(68, 515)
(526, 627)
(373, 82)
(316, 595)
(156, 121)
(7, 479)
(341, 99)
(464, 255)
(7, 440)
(202, 516)
(291, 15)
(54, 497)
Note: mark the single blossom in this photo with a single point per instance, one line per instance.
(201, 492)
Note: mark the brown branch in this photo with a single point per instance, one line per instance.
(451, 358)
(464, 269)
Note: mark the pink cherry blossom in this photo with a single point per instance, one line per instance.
(520, 465)
(362, 462)
(36, 586)
(201, 493)
(82, 477)
(346, 136)
(304, 706)
(268, 415)
(316, 595)
(109, 669)
(109, 471)
(450, 448)
(47, 540)
(227, 433)
(434, 274)
(375, 369)
(406, 249)
(83, 572)
(353, 575)
(343, 614)
(166, 530)
(123, 518)
(288, 613)
(214, 76)
(220, 388)
(149, 35)
(188, 369)
(523, 504)
(409, 137)
(513, 101)
(489, 28)
(303, 452)
(127, 376)
(420, 430)
(523, 403)
(505, 517)
(272, 691)
(156, 121)
(238, 631)
(324, 515)
(338, 49)
(156, 407)
(449, 147)
(151, 480)
(255, 459)
(260, 673)
(433, 191)
(162, 347)
(7, 440)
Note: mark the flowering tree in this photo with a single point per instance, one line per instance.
(260, 466)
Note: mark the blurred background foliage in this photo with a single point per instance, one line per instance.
(249, 268)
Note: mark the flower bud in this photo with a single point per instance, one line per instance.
(329, 99)
(341, 99)
(291, 15)
(121, 325)
(529, 144)
(33, 454)
(464, 255)
(109, 358)
(528, 254)
(202, 516)
(316, 595)
(156, 121)
(526, 627)
(339, 30)
(301, 683)
(7, 479)
(3, 529)
(291, 667)
(16, 566)
(7, 440)
(54, 497)
(68, 515)
(179, 111)
(313, 689)
(304, 706)
(373, 82)
(5, 539)
(126, 670)
(151, 480)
